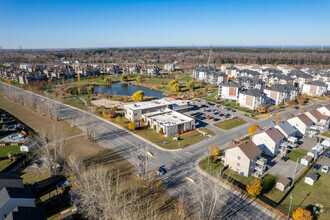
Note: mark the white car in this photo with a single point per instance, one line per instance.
(325, 169)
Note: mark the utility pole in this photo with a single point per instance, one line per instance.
(291, 196)
(294, 174)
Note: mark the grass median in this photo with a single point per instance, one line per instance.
(230, 124)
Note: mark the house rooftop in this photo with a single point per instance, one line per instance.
(286, 127)
(8, 192)
(274, 134)
(170, 118)
(253, 92)
(27, 213)
(305, 119)
(318, 115)
(284, 180)
(8, 176)
(149, 104)
(317, 83)
(313, 175)
(248, 148)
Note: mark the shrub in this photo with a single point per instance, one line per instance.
(131, 126)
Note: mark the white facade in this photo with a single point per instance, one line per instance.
(314, 90)
(169, 67)
(302, 128)
(266, 144)
(250, 102)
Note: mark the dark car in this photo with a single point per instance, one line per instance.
(216, 119)
(233, 110)
(327, 155)
(161, 171)
(296, 107)
(284, 159)
(316, 167)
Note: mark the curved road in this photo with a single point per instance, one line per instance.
(179, 164)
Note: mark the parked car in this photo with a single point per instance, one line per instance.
(233, 110)
(327, 155)
(325, 169)
(210, 117)
(296, 107)
(272, 115)
(284, 159)
(216, 119)
(221, 114)
(161, 171)
(317, 167)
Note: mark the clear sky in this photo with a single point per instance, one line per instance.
(123, 23)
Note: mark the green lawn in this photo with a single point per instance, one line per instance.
(74, 102)
(231, 123)
(210, 97)
(14, 150)
(207, 131)
(186, 139)
(269, 188)
(306, 196)
(327, 133)
(297, 153)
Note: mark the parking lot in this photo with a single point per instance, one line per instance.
(207, 113)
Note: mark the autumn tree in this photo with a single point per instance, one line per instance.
(118, 119)
(302, 214)
(302, 98)
(131, 125)
(253, 128)
(139, 78)
(90, 90)
(107, 80)
(214, 149)
(123, 77)
(176, 87)
(278, 119)
(191, 84)
(254, 188)
(78, 77)
(170, 84)
(138, 96)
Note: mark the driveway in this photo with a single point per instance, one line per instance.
(279, 168)
(307, 143)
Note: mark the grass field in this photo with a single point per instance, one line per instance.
(297, 153)
(92, 153)
(326, 134)
(186, 139)
(231, 123)
(306, 196)
(14, 150)
(207, 131)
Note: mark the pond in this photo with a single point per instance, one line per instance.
(127, 89)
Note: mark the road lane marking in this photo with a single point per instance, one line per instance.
(233, 209)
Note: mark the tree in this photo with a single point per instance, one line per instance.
(302, 98)
(131, 125)
(90, 90)
(191, 84)
(170, 84)
(118, 119)
(254, 188)
(138, 96)
(139, 78)
(253, 128)
(176, 87)
(107, 80)
(302, 214)
(214, 149)
(278, 119)
(123, 77)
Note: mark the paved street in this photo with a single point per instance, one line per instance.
(179, 164)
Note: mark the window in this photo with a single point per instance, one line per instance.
(238, 158)
(238, 164)
(135, 114)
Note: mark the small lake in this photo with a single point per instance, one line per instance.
(127, 89)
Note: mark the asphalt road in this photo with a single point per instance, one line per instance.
(179, 164)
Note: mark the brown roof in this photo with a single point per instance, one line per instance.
(248, 148)
(328, 107)
(308, 158)
(305, 119)
(284, 180)
(274, 134)
(318, 115)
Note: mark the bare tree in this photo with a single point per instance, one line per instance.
(89, 126)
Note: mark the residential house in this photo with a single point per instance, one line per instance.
(242, 157)
(286, 129)
(132, 68)
(306, 160)
(300, 77)
(279, 93)
(251, 99)
(224, 66)
(319, 119)
(251, 83)
(311, 178)
(10, 180)
(324, 110)
(28, 213)
(268, 140)
(170, 67)
(283, 183)
(200, 73)
(150, 70)
(10, 198)
(249, 73)
(315, 88)
(302, 123)
(229, 90)
(232, 71)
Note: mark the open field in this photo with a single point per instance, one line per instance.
(306, 196)
(297, 153)
(91, 153)
(231, 123)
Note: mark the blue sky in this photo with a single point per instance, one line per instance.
(123, 23)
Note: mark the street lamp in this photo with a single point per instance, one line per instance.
(291, 196)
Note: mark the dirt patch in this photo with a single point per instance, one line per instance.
(108, 103)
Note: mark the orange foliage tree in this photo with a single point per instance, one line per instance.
(302, 214)
(254, 188)
(253, 128)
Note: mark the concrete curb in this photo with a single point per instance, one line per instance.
(226, 186)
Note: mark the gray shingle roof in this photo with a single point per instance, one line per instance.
(313, 175)
(317, 83)
(253, 92)
(8, 192)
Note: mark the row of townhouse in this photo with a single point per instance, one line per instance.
(209, 74)
(244, 157)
